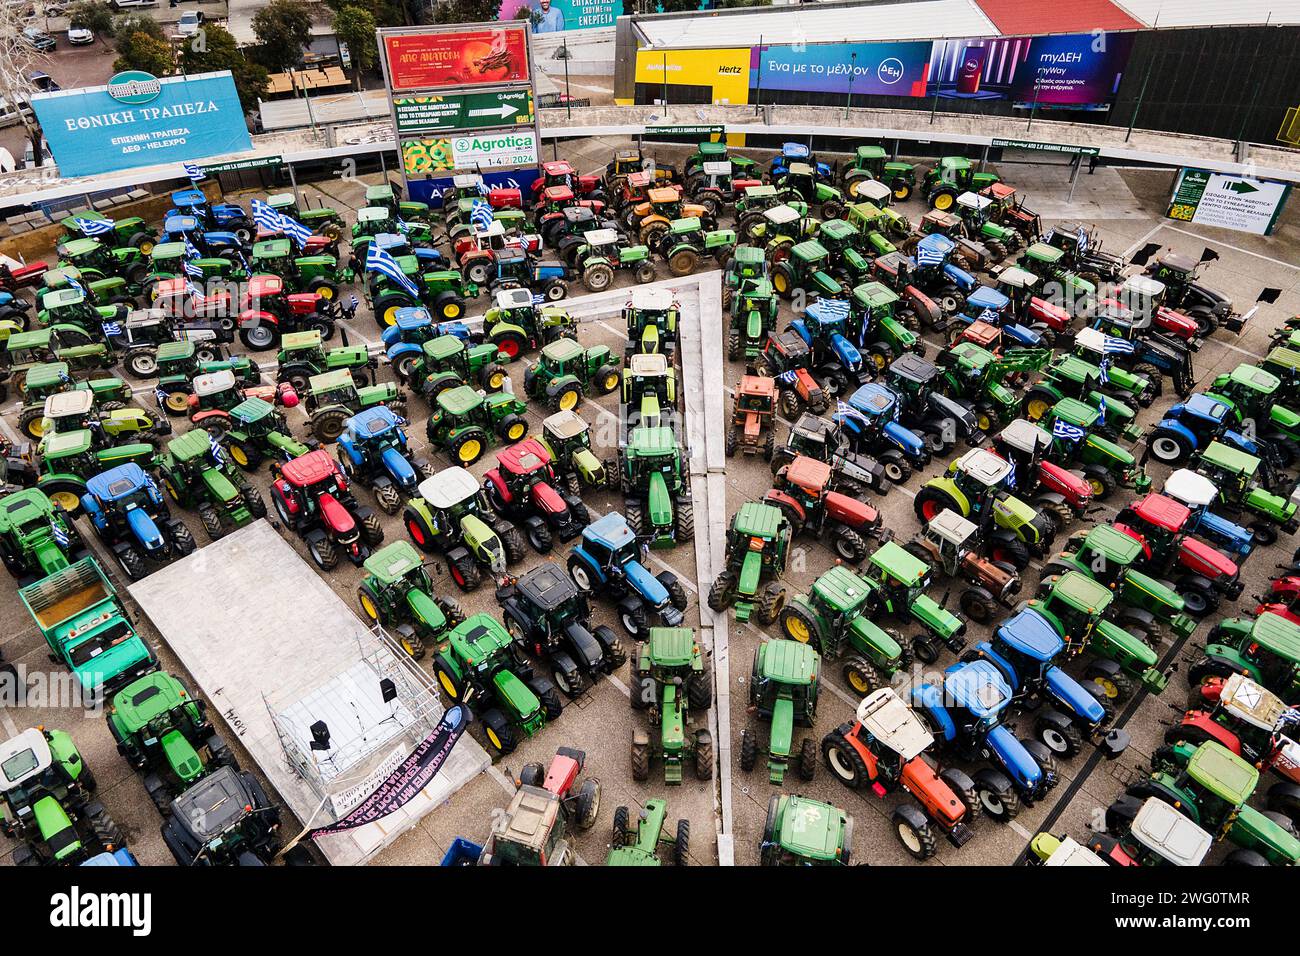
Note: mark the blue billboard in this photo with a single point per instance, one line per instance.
(137, 119)
(882, 69)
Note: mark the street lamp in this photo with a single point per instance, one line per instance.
(853, 69)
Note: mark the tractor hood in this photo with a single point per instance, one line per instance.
(334, 516)
(961, 277)
(1073, 697)
(846, 352)
(905, 439)
(1253, 828)
(55, 827)
(144, 529)
(751, 573)
(672, 728)
(181, 756)
(644, 583)
(1200, 557)
(426, 610)
(584, 646)
(481, 539)
(399, 469)
(1240, 540)
(946, 406)
(220, 488)
(548, 500)
(659, 502)
(515, 695)
(868, 638)
(1015, 759)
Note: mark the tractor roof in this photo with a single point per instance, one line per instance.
(252, 410)
(367, 214)
(1206, 407)
(22, 506)
(983, 466)
(811, 829)
(800, 169)
(652, 300)
(611, 530)
(808, 473)
(1070, 852)
(280, 200)
(663, 194)
(986, 297)
(23, 756)
(952, 527)
(789, 662)
(1042, 252)
(558, 167)
(565, 424)
(478, 637)
(271, 249)
(306, 470)
(1255, 378)
(782, 215)
(1075, 412)
(460, 400)
(524, 458)
(265, 286)
(1283, 358)
(448, 488)
(193, 445)
(748, 255)
(754, 386)
(874, 295)
(213, 805)
(972, 201)
(972, 355)
(371, 423)
(1164, 512)
(870, 151)
(1113, 545)
(47, 375)
(912, 367)
(647, 441)
(711, 148)
(563, 349)
(808, 250)
(1188, 488)
(68, 444)
(794, 150)
(977, 687)
(547, 587)
(1222, 773)
(685, 226)
(1277, 635)
(894, 560)
(1164, 830)
(173, 351)
(118, 482)
(935, 243)
(306, 339)
(513, 298)
(672, 646)
(76, 401)
(1142, 286)
(175, 224)
(151, 696)
(1031, 634)
(888, 718)
(1247, 701)
(841, 589)
(873, 191)
(393, 562)
(1082, 593)
(443, 347)
(1177, 262)
(718, 168)
(1229, 459)
(79, 247)
(601, 237)
(1018, 278)
(412, 317)
(837, 229)
(761, 191)
(758, 520)
(999, 190)
(530, 819)
(955, 162)
(213, 383)
(873, 400)
(62, 297)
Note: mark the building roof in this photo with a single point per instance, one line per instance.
(1190, 13)
(1016, 17)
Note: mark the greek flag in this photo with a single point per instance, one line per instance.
(266, 217)
(1082, 238)
(928, 256)
(193, 271)
(192, 289)
(354, 302)
(832, 308)
(191, 250)
(788, 378)
(842, 408)
(1067, 431)
(483, 189)
(399, 421)
(381, 261)
(193, 171)
(1104, 371)
(111, 328)
(295, 230)
(481, 214)
(94, 227)
(538, 299)
(403, 226)
(160, 396)
(1011, 475)
(1111, 345)
(1101, 410)
(60, 536)
(214, 446)
(989, 316)
(73, 283)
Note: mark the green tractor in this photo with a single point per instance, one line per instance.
(672, 684)
(1079, 607)
(651, 318)
(850, 256)
(977, 215)
(446, 362)
(465, 422)
(1076, 441)
(655, 481)
(53, 377)
(1245, 484)
(323, 220)
(1069, 376)
(1212, 787)
(96, 262)
(69, 459)
(128, 231)
(806, 269)
(565, 372)
(952, 176)
(833, 617)
(478, 665)
(602, 252)
(397, 594)
(649, 395)
(567, 437)
(77, 409)
(333, 397)
(753, 315)
(758, 546)
(1265, 648)
(784, 682)
(878, 227)
(197, 474)
(37, 538)
(886, 327)
(515, 324)
(165, 734)
(1066, 288)
(869, 163)
(178, 364)
(69, 344)
(1257, 394)
(640, 846)
(303, 355)
(46, 801)
(687, 242)
(803, 832)
(259, 431)
(975, 377)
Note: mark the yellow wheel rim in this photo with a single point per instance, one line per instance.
(469, 451)
(372, 612)
(325, 292)
(410, 647)
(1107, 686)
(177, 401)
(66, 500)
(943, 201)
(984, 423)
(493, 738)
(568, 400)
(448, 687)
(797, 629)
(237, 453)
(146, 247)
(857, 683)
(878, 361)
(171, 491)
(779, 283)
(517, 431)
(390, 316)
(497, 380)
(901, 192)
(1036, 409)
(36, 427)
(451, 310)
(1096, 486)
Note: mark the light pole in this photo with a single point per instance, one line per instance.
(853, 69)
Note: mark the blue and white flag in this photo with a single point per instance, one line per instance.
(841, 408)
(538, 299)
(481, 214)
(74, 284)
(295, 230)
(1101, 410)
(354, 302)
(191, 250)
(1103, 371)
(60, 536)
(483, 189)
(1067, 431)
(194, 172)
(1011, 475)
(160, 396)
(1112, 345)
(989, 316)
(381, 261)
(1082, 238)
(403, 226)
(111, 328)
(94, 227)
(788, 378)
(192, 289)
(218, 454)
(193, 271)
(928, 256)
(266, 217)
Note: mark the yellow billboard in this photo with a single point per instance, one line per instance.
(725, 72)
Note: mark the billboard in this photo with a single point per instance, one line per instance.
(477, 151)
(1229, 202)
(139, 120)
(554, 16)
(724, 72)
(470, 110)
(885, 69)
(475, 57)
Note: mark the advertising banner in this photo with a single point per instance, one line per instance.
(725, 73)
(887, 69)
(495, 150)
(554, 16)
(1229, 202)
(428, 61)
(430, 188)
(138, 120)
(462, 111)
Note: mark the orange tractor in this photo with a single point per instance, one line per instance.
(751, 430)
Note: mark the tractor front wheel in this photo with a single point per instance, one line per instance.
(211, 519)
(132, 563)
(723, 591)
(464, 570)
(800, 625)
(997, 795)
(914, 832)
(748, 750)
(389, 499)
(324, 553)
(640, 760)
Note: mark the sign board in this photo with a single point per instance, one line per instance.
(462, 111)
(705, 131)
(499, 149)
(554, 16)
(423, 59)
(139, 120)
(1229, 202)
(240, 165)
(1044, 147)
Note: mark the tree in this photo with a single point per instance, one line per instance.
(284, 29)
(387, 13)
(130, 23)
(138, 50)
(356, 27)
(17, 61)
(466, 11)
(214, 49)
(94, 15)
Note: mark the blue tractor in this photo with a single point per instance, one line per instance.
(792, 153)
(1198, 495)
(938, 277)
(1191, 425)
(222, 216)
(1065, 711)
(128, 512)
(209, 243)
(608, 560)
(412, 327)
(836, 362)
(965, 714)
(987, 304)
(373, 451)
(869, 422)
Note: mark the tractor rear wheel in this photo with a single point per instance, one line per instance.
(622, 830)
(683, 262)
(1063, 739)
(253, 500)
(964, 789)
(644, 691)
(682, 845)
(132, 562)
(1241, 857)
(418, 529)
(539, 536)
(849, 545)
(413, 645)
(703, 755)
(464, 570)
(676, 591)
(997, 796)
(930, 501)
(1284, 798)
(211, 519)
(371, 529)
(723, 591)
(635, 518)
(978, 605)
(634, 621)
(844, 761)
(101, 824)
(327, 424)
(807, 765)
(640, 760)
(732, 441)
(684, 520)
(552, 702)
(748, 750)
(514, 543)
(598, 277)
(499, 732)
(914, 832)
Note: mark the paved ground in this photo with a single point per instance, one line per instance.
(1127, 205)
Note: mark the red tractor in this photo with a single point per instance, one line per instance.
(801, 490)
(561, 173)
(180, 300)
(269, 312)
(548, 211)
(1056, 491)
(884, 748)
(474, 253)
(1283, 598)
(313, 499)
(523, 488)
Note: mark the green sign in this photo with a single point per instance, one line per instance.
(239, 165)
(708, 131)
(1045, 147)
(463, 111)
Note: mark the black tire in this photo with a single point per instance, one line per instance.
(465, 572)
(703, 755)
(1063, 739)
(1169, 447)
(748, 750)
(182, 540)
(1240, 857)
(807, 760)
(684, 520)
(324, 553)
(540, 537)
(998, 798)
(964, 788)
(723, 591)
(699, 690)
(914, 832)
(211, 519)
(640, 761)
(845, 763)
(132, 563)
(682, 844)
(634, 621)
(771, 602)
(253, 500)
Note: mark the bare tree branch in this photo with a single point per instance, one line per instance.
(18, 60)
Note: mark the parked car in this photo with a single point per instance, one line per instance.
(80, 36)
(189, 23)
(38, 39)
